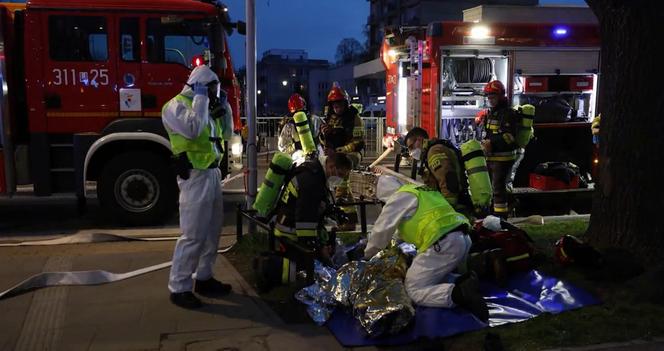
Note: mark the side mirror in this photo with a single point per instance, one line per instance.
(241, 27)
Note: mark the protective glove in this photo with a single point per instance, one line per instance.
(199, 89)
(223, 97)
(217, 111)
(481, 116)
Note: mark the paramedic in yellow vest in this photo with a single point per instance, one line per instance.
(196, 120)
(421, 216)
(441, 168)
(499, 143)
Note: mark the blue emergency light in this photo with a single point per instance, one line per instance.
(560, 32)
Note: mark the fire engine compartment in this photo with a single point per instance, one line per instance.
(435, 79)
(463, 78)
(564, 101)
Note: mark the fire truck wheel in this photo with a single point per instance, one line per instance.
(138, 188)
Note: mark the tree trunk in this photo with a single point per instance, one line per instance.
(628, 203)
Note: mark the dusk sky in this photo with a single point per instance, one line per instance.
(314, 25)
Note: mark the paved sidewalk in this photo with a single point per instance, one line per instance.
(135, 314)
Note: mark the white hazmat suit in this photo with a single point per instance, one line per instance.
(428, 280)
(201, 204)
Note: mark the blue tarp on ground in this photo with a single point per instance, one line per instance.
(526, 295)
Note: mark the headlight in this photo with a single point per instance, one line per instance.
(236, 145)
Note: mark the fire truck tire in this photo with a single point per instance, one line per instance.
(138, 188)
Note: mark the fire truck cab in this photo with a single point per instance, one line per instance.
(84, 83)
(435, 76)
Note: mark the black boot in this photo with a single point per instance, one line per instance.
(498, 266)
(477, 262)
(489, 264)
(186, 300)
(212, 288)
(467, 295)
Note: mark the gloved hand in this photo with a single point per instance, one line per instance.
(325, 128)
(217, 111)
(199, 89)
(486, 146)
(223, 96)
(480, 116)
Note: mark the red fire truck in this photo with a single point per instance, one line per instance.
(435, 76)
(83, 87)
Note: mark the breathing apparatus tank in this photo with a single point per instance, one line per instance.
(479, 183)
(525, 133)
(268, 193)
(304, 132)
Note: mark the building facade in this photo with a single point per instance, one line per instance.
(280, 73)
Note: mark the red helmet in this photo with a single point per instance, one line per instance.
(337, 94)
(570, 249)
(494, 87)
(296, 103)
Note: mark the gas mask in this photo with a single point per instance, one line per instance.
(415, 154)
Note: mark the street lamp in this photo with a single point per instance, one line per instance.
(284, 83)
(258, 92)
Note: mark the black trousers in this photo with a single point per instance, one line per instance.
(500, 171)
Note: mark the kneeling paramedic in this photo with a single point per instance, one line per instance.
(196, 121)
(421, 216)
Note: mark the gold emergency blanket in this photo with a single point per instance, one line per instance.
(375, 291)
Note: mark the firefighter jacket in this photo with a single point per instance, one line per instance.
(289, 140)
(346, 133)
(501, 126)
(304, 200)
(442, 169)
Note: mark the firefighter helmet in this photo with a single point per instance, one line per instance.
(337, 94)
(494, 87)
(570, 249)
(296, 103)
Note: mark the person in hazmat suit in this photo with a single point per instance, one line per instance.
(421, 216)
(500, 144)
(197, 121)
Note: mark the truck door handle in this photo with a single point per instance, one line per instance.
(52, 101)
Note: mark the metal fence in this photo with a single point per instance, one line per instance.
(374, 130)
(268, 134)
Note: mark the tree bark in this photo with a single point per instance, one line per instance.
(628, 203)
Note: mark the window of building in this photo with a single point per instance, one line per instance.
(176, 42)
(130, 45)
(77, 38)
